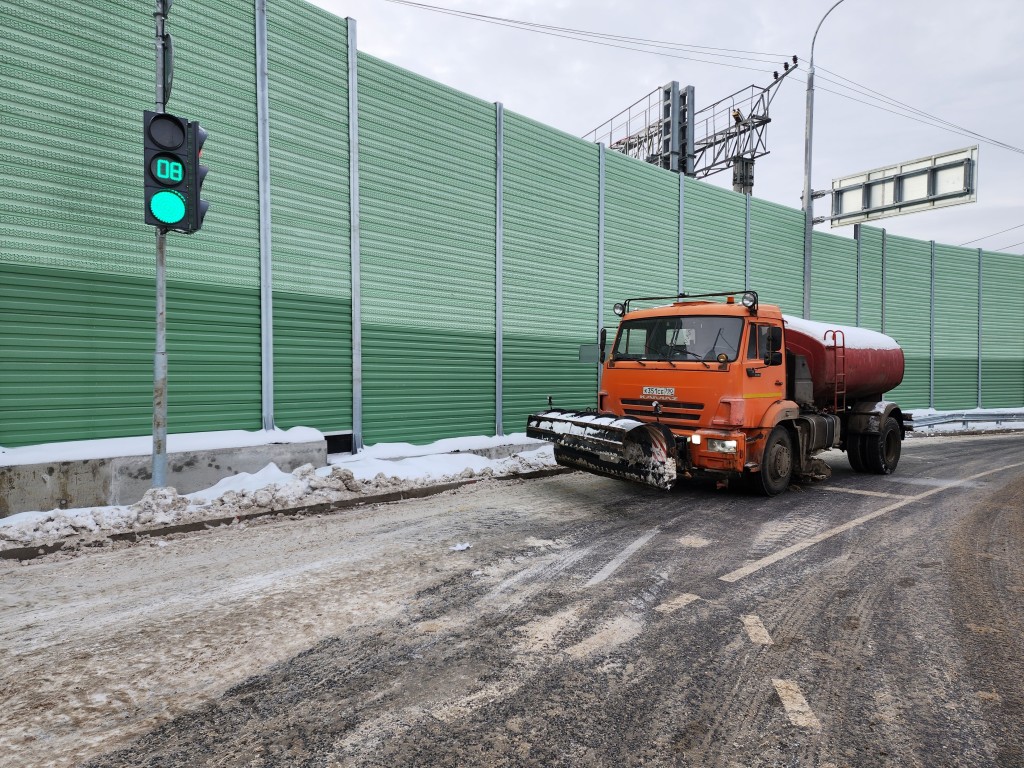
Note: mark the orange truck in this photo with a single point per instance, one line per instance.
(709, 386)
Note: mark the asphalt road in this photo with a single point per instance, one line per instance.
(860, 621)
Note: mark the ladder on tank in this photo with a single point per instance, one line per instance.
(839, 368)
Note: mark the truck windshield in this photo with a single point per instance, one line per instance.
(679, 338)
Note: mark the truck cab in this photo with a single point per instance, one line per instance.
(712, 372)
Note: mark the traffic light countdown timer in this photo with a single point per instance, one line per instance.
(174, 178)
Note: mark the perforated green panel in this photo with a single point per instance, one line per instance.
(77, 78)
(641, 232)
(714, 238)
(833, 279)
(776, 255)
(1002, 351)
(427, 200)
(871, 278)
(956, 327)
(550, 275)
(308, 88)
(76, 359)
(907, 315)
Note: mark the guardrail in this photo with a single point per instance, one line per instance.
(997, 417)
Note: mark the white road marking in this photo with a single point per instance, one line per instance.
(796, 706)
(677, 602)
(880, 494)
(782, 554)
(620, 558)
(756, 630)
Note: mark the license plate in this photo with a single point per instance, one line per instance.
(659, 391)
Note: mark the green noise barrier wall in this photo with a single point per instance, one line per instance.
(434, 278)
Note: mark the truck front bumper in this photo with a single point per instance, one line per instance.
(717, 450)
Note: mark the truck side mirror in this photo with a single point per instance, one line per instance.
(774, 340)
(773, 358)
(604, 342)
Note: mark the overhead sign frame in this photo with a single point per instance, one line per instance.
(936, 181)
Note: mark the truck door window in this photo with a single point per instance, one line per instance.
(632, 342)
(757, 345)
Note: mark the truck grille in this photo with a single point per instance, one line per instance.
(671, 410)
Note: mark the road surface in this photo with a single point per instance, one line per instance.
(859, 621)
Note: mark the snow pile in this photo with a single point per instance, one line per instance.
(268, 490)
(116, 447)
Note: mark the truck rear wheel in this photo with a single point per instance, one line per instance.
(854, 448)
(881, 452)
(776, 464)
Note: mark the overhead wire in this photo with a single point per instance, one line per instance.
(877, 95)
(986, 237)
(766, 57)
(1009, 246)
(585, 36)
(663, 48)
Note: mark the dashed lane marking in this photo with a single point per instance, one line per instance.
(797, 709)
(859, 492)
(620, 558)
(782, 554)
(756, 630)
(677, 602)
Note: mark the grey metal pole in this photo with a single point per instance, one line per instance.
(160, 366)
(159, 470)
(746, 244)
(808, 200)
(499, 266)
(981, 283)
(266, 263)
(856, 236)
(353, 193)
(931, 330)
(682, 231)
(883, 280)
(600, 246)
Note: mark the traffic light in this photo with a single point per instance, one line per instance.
(165, 150)
(194, 176)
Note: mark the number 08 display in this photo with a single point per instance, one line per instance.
(167, 170)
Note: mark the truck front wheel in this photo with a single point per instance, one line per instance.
(776, 464)
(881, 452)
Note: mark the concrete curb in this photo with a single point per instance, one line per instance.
(39, 550)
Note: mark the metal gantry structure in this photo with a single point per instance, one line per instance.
(664, 129)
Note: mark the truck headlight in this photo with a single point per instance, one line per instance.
(721, 446)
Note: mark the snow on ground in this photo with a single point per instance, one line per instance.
(961, 426)
(81, 450)
(346, 477)
(377, 469)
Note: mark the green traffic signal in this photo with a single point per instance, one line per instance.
(167, 206)
(174, 175)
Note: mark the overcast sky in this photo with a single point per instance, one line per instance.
(959, 61)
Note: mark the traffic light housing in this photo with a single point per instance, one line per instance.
(173, 174)
(195, 173)
(165, 139)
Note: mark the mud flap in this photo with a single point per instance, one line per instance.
(606, 444)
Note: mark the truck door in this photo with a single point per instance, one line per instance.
(764, 378)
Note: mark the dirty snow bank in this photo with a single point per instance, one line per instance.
(116, 447)
(265, 491)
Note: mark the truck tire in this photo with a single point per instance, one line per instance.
(881, 452)
(776, 464)
(854, 451)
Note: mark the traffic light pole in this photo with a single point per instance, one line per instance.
(160, 356)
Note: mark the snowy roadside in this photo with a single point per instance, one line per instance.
(377, 471)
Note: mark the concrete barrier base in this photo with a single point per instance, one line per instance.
(124, 480)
